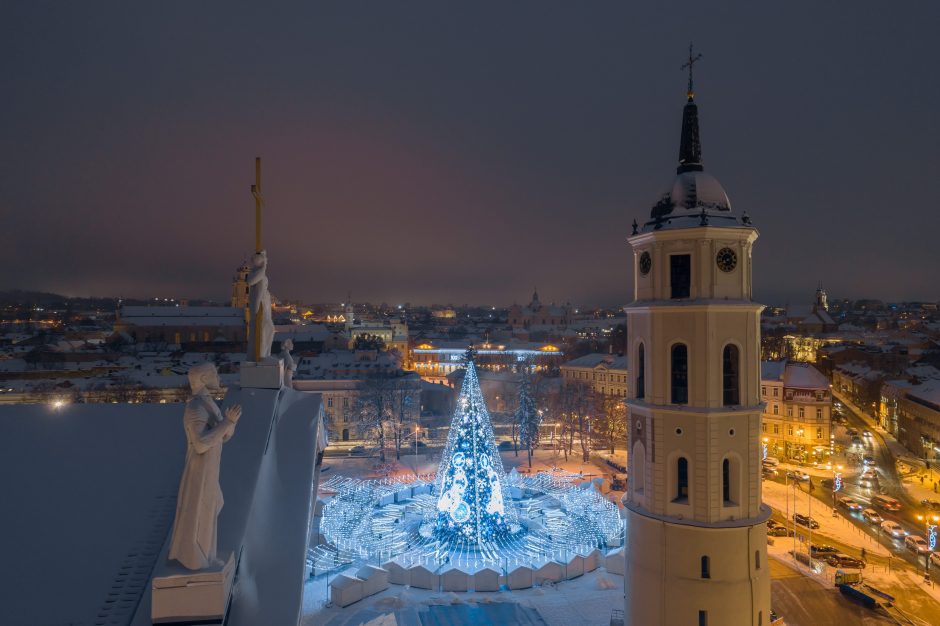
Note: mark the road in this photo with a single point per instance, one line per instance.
(802, 601)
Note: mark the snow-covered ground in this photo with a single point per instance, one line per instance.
(587, 600)
(584, 601)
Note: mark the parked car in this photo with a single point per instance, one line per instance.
(857, 441)
(358, 450)
(850, 503)
(768, 472)
(505, 445)
(869, 476)
(827, 483)
(779, 531)
(916, 544)
(822, 550)
(797, 475)
(934, 559)
(770, 462)
(844, 560)
(868, 459)
(872, 516)
(931, 504)
(852, 432)
(805, 520)
(893, 528)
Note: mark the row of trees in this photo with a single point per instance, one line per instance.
(578, 416)
(386, 409)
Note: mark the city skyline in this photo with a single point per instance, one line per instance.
(433, 156)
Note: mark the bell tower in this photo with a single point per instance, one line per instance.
(696, 538)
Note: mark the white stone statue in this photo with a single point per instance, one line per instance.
(259, 303)
(200, 496)
(289, 365)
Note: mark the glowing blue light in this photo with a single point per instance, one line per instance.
(470, 475)
(837, 483)
(932, 537)
(763, 451)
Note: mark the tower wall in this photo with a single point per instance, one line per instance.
(696, 548)
(663, 579)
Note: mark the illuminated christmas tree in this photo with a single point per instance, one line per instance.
(470, 507)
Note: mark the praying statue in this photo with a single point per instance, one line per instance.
(195, 529)
(289, 365)
(259, 303)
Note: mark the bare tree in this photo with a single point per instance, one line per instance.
(610, 421)
(387, 407)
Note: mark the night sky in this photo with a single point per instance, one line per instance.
(461, 153)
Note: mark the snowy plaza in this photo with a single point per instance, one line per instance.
(471, 527)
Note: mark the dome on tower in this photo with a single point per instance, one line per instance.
(696, 189)
(695, 197)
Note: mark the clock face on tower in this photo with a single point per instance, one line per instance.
(646, 262)
(727, 259)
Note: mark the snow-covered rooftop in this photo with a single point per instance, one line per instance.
(89, 496)
(804, 376)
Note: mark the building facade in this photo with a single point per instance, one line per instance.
(696, 534)
(182, 325)
(918, 415)
(605, 374)
(536, 315)
(797, 420)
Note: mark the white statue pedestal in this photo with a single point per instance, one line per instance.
(269, 374)
(192, 597)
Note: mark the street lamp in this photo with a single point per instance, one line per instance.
(836, 485)
(930, 526)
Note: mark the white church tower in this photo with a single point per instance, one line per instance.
(696, 539)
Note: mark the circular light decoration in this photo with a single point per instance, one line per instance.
(471, 515)
(646, 263)
(727, 259)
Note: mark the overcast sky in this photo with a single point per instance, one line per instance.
(460, 152)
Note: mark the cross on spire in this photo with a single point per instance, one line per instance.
(693, 58)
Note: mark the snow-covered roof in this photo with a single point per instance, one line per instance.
(182, 315)
(90, 491)
(804, 376)
(609, 361)
(772, 370)
(927, 392)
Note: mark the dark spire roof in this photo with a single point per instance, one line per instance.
(690, 146)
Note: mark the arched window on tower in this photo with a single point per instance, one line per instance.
(726, 480)
(680, 374)
(682, 480)
(731, 480)
(641, 372)
(730, 376)
(638, 459)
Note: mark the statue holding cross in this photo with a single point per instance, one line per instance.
(261, 324)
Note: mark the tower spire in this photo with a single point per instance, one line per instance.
(690, 146)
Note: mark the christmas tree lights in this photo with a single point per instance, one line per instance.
(470, 507)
